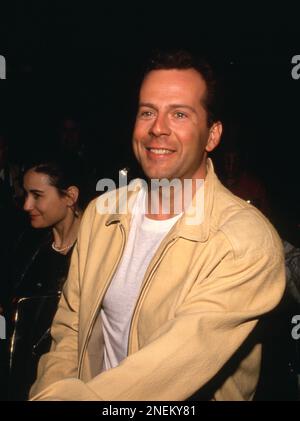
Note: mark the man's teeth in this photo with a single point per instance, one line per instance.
(160, 151)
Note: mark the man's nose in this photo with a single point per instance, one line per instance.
(160, 126)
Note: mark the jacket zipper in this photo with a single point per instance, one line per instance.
(93, 320)
(144, 286)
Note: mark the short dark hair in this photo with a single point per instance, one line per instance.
(62, 173)
(183, 60)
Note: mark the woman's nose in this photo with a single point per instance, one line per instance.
(28, 205)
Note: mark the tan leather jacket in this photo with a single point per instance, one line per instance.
(201, 299)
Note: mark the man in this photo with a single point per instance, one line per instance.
(159, 305)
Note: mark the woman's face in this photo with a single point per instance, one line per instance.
(46, 208)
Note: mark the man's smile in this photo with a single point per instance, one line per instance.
(159, 152)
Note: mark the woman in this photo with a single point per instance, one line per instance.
(41, 265)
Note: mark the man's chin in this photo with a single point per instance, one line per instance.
(158, 175)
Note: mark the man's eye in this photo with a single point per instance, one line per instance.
(180, 115)
(146, 114)
(36, 195)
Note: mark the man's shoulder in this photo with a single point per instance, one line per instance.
(90, 210)
(246, 228)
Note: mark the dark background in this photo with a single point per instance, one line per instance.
(78, 59)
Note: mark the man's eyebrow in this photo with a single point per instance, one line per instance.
(147, 104)
(172, 106)
(183, 106)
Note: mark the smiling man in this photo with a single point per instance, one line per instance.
(155, 308)
(171, 136)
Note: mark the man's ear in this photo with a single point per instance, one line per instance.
(72, 195)
(215, 133)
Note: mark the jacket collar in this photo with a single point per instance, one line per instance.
(200, 231)
(183, 228)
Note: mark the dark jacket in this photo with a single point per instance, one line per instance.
(37, 275)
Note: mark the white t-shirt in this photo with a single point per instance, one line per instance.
(144, 238)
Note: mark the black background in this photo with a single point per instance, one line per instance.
(85, 58)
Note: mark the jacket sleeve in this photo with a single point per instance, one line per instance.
(61, 361)
(188, 350)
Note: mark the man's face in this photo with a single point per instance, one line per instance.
(171, 137)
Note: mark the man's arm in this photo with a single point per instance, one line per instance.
(188, 350)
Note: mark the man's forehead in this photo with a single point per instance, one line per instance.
(173, 86)
(173, 80)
